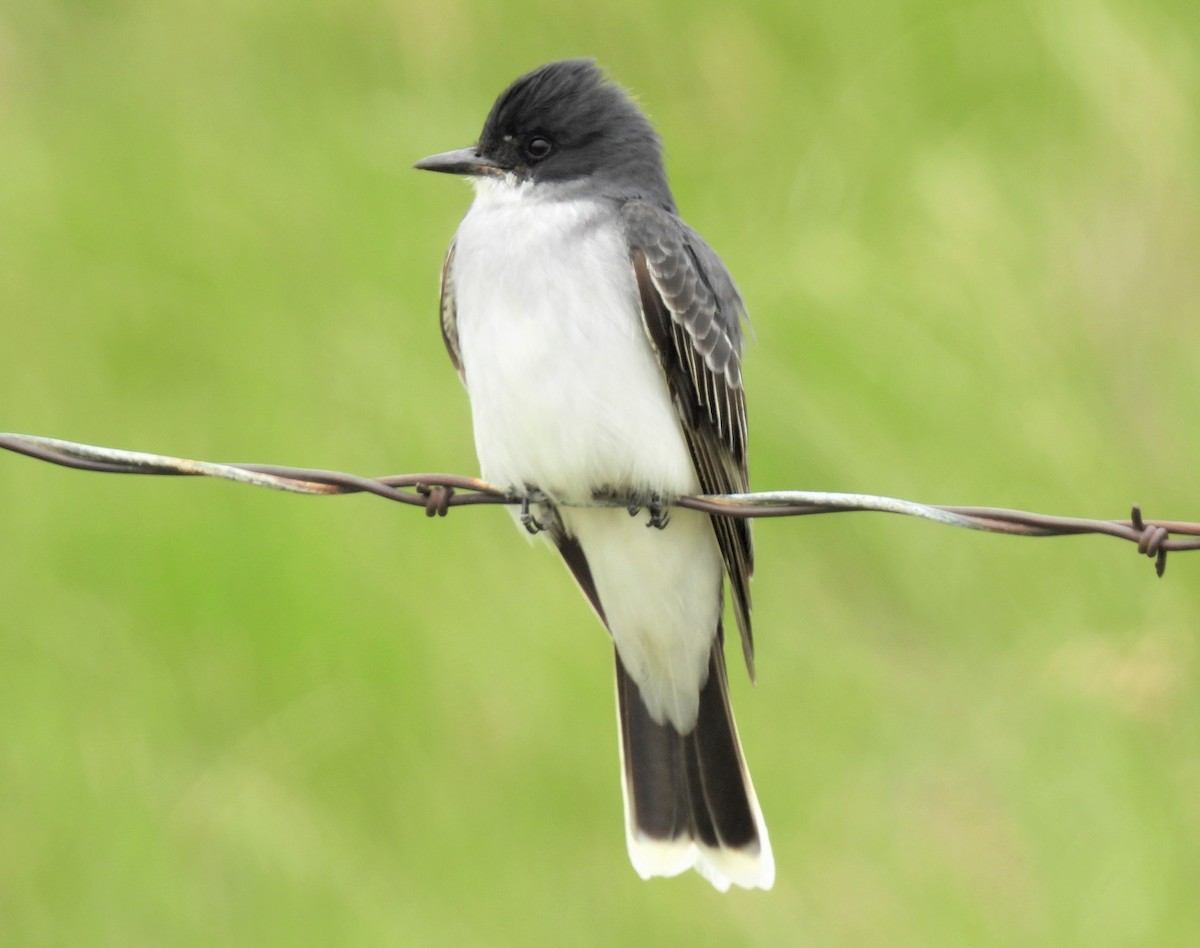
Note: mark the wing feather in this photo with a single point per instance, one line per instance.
(692, 315)
(449, 314)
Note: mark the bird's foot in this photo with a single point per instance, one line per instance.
(655, 504)
(528, 496)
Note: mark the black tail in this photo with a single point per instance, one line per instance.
(689, 801)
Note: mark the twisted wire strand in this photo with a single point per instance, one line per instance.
(437, 493)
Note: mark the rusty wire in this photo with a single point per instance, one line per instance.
(437, 493)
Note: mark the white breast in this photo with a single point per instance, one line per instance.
(565, 391)
(567, 396)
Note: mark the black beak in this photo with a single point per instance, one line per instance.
(466, 161)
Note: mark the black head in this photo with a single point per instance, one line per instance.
(565, 122)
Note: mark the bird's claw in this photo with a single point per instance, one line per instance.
(656, 507)
(532, 523)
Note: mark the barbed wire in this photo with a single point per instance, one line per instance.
(437, 493)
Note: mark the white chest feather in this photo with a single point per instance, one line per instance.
(568, 397)
(565, 391)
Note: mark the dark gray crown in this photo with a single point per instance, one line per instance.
(592, 127)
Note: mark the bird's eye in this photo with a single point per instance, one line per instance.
(538, 148)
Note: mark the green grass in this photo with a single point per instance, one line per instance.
(968, 238)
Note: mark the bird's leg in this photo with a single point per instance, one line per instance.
(655, 504)
(529, 520)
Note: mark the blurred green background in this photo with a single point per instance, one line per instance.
(968, 237)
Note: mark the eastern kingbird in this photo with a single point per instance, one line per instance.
(599, 339)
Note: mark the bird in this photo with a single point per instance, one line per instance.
(599, 339)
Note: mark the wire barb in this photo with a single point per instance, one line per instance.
(1151, 540)
(437, 493)
(437, 498)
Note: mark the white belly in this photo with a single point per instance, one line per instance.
(567, 396)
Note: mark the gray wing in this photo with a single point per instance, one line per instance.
(692, 314)
(449, 314)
